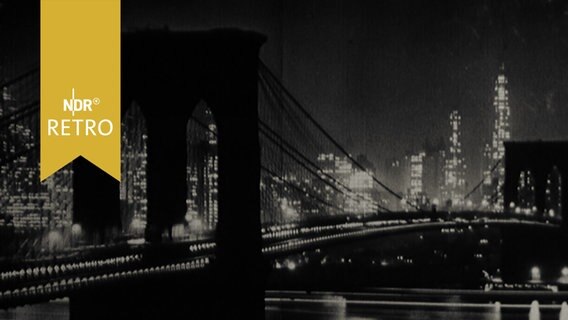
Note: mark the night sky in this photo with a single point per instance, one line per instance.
(384, 75)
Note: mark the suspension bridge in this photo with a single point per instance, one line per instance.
(236, 173)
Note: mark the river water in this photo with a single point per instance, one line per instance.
(337, 309)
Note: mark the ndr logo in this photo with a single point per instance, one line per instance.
(78, 105)
(80, 126)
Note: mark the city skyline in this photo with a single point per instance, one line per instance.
(446, 181)
(301, 159)
(390, 71)
(431, 175)
(360, 83)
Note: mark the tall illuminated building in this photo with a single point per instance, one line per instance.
(133, 169)
(393, 174)
(416, 174)
(212, 173)
(327, 163)
(362, 184)
(487, 193)
(526, 192)
(433, 177)
(202, 169)
(340, 169)
(493, 193)
(454, 169)
(553, 192)
(412, 173)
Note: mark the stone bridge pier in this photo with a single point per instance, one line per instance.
(166, 74)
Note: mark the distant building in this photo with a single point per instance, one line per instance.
(534, 178)
(25, 202)
(405, 170)
(393, 173)
(359, 195)
(60, 190)
(406, 175)
(554, 193)
(362, 183)
(202, 170)
(416, 192)
(340, 169)
(133, 169)
(493, 181)
(525, 192)
(488, 191)
(433, 177)
(454, 169)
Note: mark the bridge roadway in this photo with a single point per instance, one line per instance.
(28, 282)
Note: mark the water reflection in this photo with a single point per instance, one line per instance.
(336, 307)
(534, 313)
(56, 310)
(564, 311)
(497, 311)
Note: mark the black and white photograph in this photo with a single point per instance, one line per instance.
(298, 160)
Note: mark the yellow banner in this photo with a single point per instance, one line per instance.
(80, 84)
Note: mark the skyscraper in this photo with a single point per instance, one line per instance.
(202, 168)
(433, 177)
(133, 169)
(416, 191)
(493, 193)
(362, 184)
(454, 169)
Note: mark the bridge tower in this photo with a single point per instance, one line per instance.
(166, 74)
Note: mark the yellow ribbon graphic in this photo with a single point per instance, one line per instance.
(80, 84)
